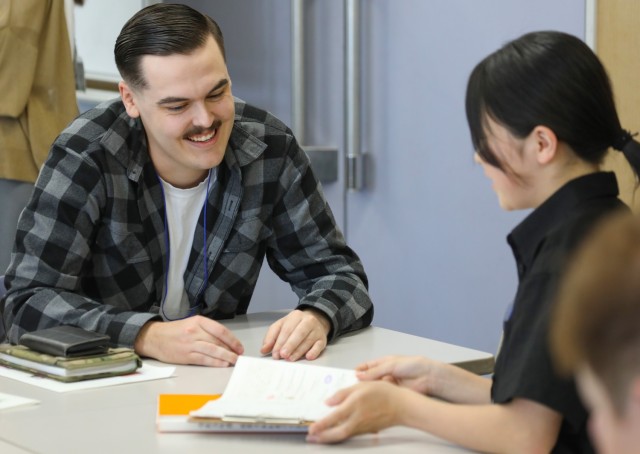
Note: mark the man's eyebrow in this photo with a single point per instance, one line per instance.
(175, 99)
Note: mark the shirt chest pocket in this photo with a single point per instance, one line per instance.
(247, 233)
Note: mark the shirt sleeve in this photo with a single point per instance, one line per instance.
(53, 252)
(310, 252)
(524, 367)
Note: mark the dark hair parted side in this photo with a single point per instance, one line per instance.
(161, 29)
(551, 79)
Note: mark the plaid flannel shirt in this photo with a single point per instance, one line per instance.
(91, 249)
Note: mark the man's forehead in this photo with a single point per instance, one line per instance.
(169, 74)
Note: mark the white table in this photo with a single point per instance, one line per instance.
(121, 419)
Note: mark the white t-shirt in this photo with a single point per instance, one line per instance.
(183, 207)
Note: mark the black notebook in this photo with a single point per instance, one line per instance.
(66, 341)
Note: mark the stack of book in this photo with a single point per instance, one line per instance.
(68, 354)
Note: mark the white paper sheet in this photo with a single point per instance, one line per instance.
(10, 401)
(145, 373)
(267, 389)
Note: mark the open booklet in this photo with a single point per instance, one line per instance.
(267, 392)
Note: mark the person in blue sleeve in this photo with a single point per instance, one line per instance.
(541, 114)
(153, 213)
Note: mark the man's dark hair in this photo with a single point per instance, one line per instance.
(161, 29)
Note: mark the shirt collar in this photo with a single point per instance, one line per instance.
(244, 146)
(125, 139)
(526, 238)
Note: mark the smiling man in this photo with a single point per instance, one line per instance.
(154, 212)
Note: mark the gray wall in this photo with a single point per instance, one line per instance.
(430, 230)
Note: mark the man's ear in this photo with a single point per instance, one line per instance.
(128, 98)
(545, 143)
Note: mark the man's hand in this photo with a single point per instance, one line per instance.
(194, 340)
(300, 333)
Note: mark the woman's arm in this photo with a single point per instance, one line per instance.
(521, 426)
(426, 376)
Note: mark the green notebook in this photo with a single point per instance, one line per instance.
(116, 361)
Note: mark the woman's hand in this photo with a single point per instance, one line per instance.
(363, 408)
(413, 372)
(429, 377)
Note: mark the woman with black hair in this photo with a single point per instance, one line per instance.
(542, 116)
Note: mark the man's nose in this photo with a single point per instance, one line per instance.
(202, 116)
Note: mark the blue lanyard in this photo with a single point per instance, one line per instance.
(167, 242)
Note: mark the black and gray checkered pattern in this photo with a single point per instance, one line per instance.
(91, 248)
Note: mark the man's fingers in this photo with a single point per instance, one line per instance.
(300, 350)
(222, 335)
(297, 343)
(316, 350)
(286, 328)
(215, 352)
(200, 359)
(270, 337)
(298, 334)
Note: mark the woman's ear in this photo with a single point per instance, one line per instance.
(545, 143)
(128, 98)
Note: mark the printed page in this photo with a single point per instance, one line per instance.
(265, 389)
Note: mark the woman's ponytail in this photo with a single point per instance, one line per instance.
(630, 148)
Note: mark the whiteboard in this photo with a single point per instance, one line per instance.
(97, 25)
